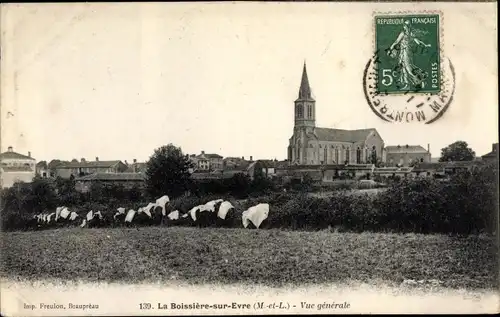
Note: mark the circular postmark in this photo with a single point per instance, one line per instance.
(408, 106)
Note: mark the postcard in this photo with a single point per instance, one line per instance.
(249, 158)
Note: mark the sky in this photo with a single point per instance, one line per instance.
(116, 81)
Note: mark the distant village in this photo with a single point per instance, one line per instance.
(325, 154)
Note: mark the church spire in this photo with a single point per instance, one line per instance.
(305, 89)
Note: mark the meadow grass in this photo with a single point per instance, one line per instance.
(267, 257)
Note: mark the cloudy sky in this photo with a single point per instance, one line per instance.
(118, 80)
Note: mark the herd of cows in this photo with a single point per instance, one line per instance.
(217, 212)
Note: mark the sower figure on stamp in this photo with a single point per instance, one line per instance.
(409, 72)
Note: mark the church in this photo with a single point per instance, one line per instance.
(311, 145)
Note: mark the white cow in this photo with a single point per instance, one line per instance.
(73, 216)
(64, 213)
(98, 213)
(210, 206)
(84, 222)
(50, 216)
(121, 211)
(256, 215)
(90, 215)
(223, 209)
(58, 212)
(147, 209)
(130, 215)
(174, 215)
(193, 210)
(162, 202)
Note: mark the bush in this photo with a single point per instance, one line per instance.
(466, 203)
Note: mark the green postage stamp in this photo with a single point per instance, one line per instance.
(408, 53)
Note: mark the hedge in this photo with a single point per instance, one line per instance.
(465, 203)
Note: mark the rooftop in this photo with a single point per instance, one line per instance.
(339, 135)
(405, 149)
(85, 164)
(112, 177)
(11, 155)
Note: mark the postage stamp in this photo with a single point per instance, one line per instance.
(409, 79)
(408, 53)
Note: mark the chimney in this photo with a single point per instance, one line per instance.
(428, 148)
(126, 163)
(251, 158)
(406, 145)
(82, 160)
(29, 154)
(202, 152)
(10, 149)
(97, 159)
(135, 161)
(243, 158)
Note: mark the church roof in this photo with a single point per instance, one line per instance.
(405, 149)
(305, 88)
(327, 134)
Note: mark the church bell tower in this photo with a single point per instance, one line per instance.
(305, 105)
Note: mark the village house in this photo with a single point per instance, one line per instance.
(16, 167)
(75, 168)
(207, 162)
(266, 167)
(443, 169)
(42, 169)
(491, 156)
(230, 163)
(136, 167)
(127, 180)
(406, 155)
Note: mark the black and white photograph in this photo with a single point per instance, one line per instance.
(248, 158)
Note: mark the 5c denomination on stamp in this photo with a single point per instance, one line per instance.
(408, 79)
(408, 53)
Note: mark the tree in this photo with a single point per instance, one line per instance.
(167, 172)
(458, 151)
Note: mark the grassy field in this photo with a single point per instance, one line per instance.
(269, 257)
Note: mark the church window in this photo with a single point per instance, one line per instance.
(299, 111)
(336, 155)
(309, 111)
(325, 155)
(367, 154)
(374, 155)
(347, 155)
(358, 156)
(298, 153)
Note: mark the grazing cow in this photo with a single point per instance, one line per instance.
(62, 216)
(194, 212)
(73, 216)
(225, 214)
(130, 216)
(162, 202)
(255, 215)
(205, 215)
(84, 222)
(119, 216)
(64, 213)
(94, 219)
(174, 215)
(58, 212)
(49, 217)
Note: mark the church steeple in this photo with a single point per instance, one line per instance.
(305, 105)
(305, 89)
